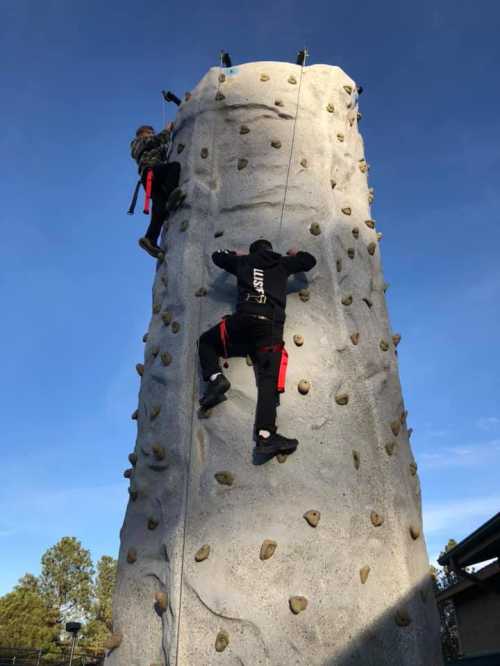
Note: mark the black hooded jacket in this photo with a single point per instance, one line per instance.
(262, 278)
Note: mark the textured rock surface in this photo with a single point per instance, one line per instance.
(235, 182)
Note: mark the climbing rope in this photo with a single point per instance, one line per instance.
(292, 146)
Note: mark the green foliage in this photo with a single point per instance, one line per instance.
(444, 578)
(100, 626)
(27, 621)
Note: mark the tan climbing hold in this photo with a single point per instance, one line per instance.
(135, 415)
(330, 108)
(156, 308)
(155, 350)
(333, 184)
(131, 555)
(127, 473)
(356, 458)
(201, 292)
(396, 339)
(363, 166)
(203, 553)
(219, 97)
(413, 468)
(298, 340)
(403, 416)
(347, 300)
(161, 601)
(113, 641)
(292, 80)
(222, 78)
(340, 137)
(282, 457)
(312, 517)
(180, 148)
(158, 451)
(342, 399)
(371, 247)
(370, 224)
(367, 302)
(304, 295)
(376, 518)
(264, 77)
(395, 427)
(166, 358)
(222, 641)
(304, 163)
(204, 153)
(166, 317)
(242, 163)
(355, 338)
(153, 523)
(384, 345)
(176, 327)
(249, 361)
(275, 143)
(140, 369)
(278, 102)
(355, 232)
(402, 617)
(363, 574)
(347, 210)
(244, 129)
(184, 225)
(145, 337)
(304, 387)
(155, 411)
(348, 89)
(224, 478)
(297, 604)
(389, 448)
(315, 229)
(132, 458)
(267, 549)
(414, 532)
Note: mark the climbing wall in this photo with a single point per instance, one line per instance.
(316, 558)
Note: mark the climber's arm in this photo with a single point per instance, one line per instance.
(298, 261)
(139, 145)
(227, 260)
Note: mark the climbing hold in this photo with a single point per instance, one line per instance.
(224, 478)
(333, 184)
(348, 89)
(219, 96)
(180, 148)
(166, 317)
(249, 361)
(304, 386)
(363, 166)
(222, 78)
(244, 129)
(166, 359)
(347, 300)
(385, 288)
(376, 519)
(292, 80)
(347, 210)
(380, 235)
(413, 468)
(371, 195)
(303, 163)
(330, 108)
(351, 120)
(264, 77)
(242, 163)
(131, 555)
(203, 553)
(275, 143)
(396, 339)
(176, 327)
(278, 102)
(370, 224)
(155, 350)
(389, 448)
(132, 458)
(304, 295)
(356, 459)
(299, 340)
(403, 416)
(267, 549)
(218, 234)
(201, 292)
(315, 229)
(187, 96)
(155, 410)
(184, 225)
(128, 473)
(282, 457)
(355, 338)
(140, 369)
(297, 604)
(371, 247)
(161, 602)
(395, 427)
(153, 523)
(158, 451)
(312, 517)
(367, 301)
(415, 532)
(355, 232)
(145, 337)
(113, 641)
(363, 574)
(135, 415)
(133, 494)
(384, 345)
(342, 399)
(204, 153)
(339, 265)
(222, 641)
(156, 308)
(340, 137)
(402, 617)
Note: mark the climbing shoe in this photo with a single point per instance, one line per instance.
(175, 200)
(215, 392)
(275, 443)
(150, 247)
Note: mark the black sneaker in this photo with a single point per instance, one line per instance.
(275, 443)
(215, 392)
(175, 200)
(150, 247)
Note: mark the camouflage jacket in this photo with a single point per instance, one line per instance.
(150, 150)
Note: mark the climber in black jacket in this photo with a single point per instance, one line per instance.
(256, 330)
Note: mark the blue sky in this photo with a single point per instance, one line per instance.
(77, 79)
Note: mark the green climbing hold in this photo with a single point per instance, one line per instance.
(297, 604)
(384, 345)
(166, 358)
(315, 229)
(222, 641)
(166, 317)
(292, 80)
(224, 478)
(389, 448)
(156, 308)
(347, 300)
(304, 163)
(330, 108)
(413, 468)
(340, 137)
(370, 224)
(264, 77)
(342, 399)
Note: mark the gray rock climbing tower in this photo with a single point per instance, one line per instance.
(316, 558)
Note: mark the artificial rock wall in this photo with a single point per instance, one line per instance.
(313, 559)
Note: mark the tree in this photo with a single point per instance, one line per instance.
(99, 626)
(27, 621)
(66, 578)
(444, 578)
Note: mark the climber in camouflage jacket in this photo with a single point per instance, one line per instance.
(149, 149)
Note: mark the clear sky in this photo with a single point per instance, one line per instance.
(76, 80)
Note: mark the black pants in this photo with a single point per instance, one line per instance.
(246, 335)
(165, 180)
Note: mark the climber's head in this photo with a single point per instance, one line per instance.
(144, 130)
(260, 244)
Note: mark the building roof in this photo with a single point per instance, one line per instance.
(481, 545)
(462, 585)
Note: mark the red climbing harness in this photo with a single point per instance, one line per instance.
(147, 196)
(223, 336)
(280, 347)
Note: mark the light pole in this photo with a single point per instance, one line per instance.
(73, 628)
